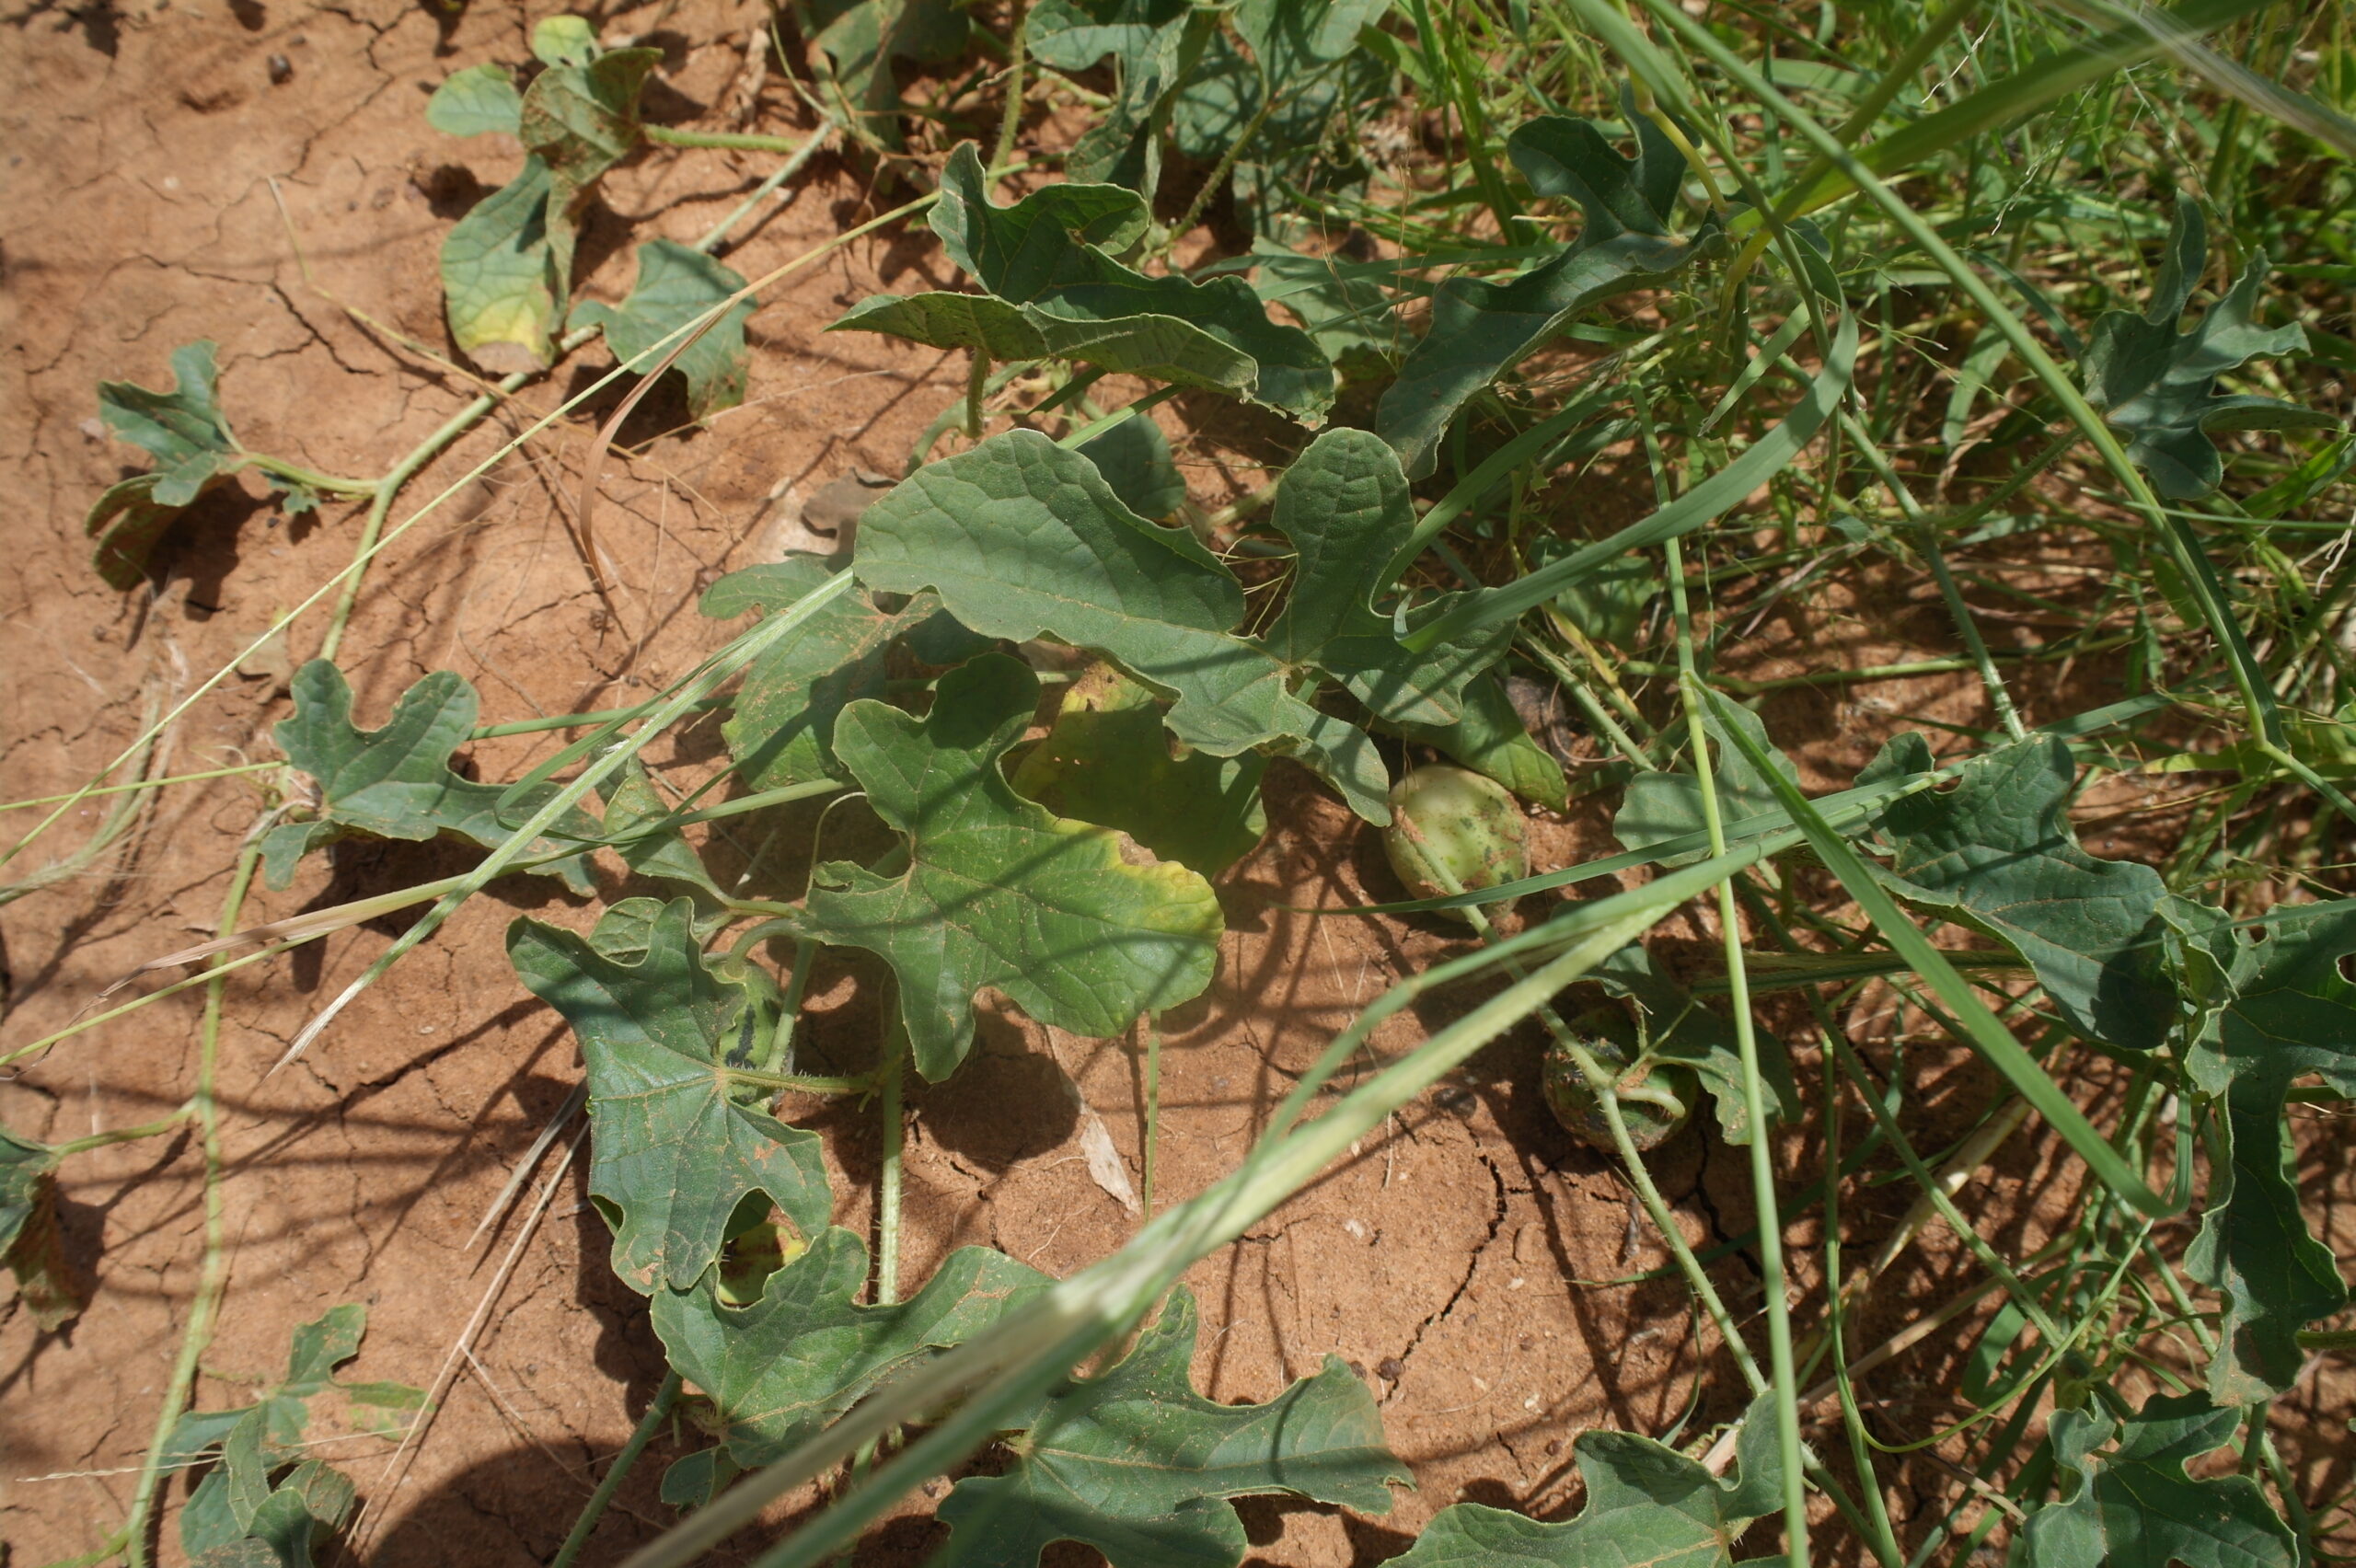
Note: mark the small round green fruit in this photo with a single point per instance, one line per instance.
(1655, 1098)
(1453, 831)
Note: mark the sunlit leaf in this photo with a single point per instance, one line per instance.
(499, 283)
(1079, 927)
(1109, 761)
(2158, 386)
(2134, 1506)
(479, 100)
(1646, 1504)
(676, 285)
(677, 1145)
(395, 782)
(1137, 1464)
(777, 1371)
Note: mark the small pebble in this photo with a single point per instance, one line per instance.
(282, 70)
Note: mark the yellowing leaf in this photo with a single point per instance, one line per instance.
(1078, 925)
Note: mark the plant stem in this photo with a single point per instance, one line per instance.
(213, 1273)
(737, 141)
(717, 236)
(978, 380)
(311, 477)
(1010, 121)
(141, 784)
(648, 1425)
(126, 1134)
(1152, 1106)
(887, 1184)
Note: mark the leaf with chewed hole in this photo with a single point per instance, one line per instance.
(678, 1144)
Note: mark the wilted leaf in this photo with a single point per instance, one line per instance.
(1136, 1463)
(1109, 761)
(2264, 1011)
(579, 120)
(1047, 260)
(677, 1145)
(2134, 1506)
(1021, 537)
(777, 1371)
(236, 1516)
(1072, 922)
(1646, 1504)
(1996, 853)
(1492, 739)
(188, 437)
(781, 728)
(862, 37)
(2158, 386)
(1479, 330)
(676, 285)
(29, 1242)
(395, 782)
(479, 100)
(501, 286)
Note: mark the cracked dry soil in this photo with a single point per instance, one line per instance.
(149, 150)
(160, 172)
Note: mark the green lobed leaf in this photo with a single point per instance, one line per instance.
(184, 428)
(1658, 807)
(1491, 739)
(2134, 1506)
(781, 728)
(2263, 1011)
(677, 1145)
(1155, 45)
(479, 100)
(1646, 1503)
(1108, 761)
(1136, 1463)
(862, 37)
(633, 802)
(185, 432)
(2158, 386)
(781, 1368)
(501, 286)
(29, 1242)
(1996, 853)
(677, 284)
(1479, 330)
(395, 782)
(1073, 923)
(1049, 256)
(1023, 539)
